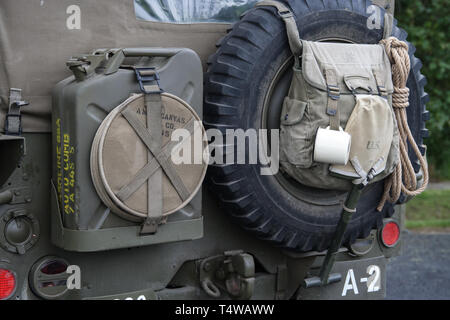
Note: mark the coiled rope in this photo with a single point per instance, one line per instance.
(403, 179)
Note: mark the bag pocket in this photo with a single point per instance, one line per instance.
(295, 133)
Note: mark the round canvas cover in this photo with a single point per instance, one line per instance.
(123, 167)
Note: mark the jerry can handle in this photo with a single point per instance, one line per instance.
(115, 61)
(150, 52)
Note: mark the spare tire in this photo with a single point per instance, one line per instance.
(246, 81)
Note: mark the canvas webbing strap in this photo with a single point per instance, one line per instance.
(388, 25)
(153, 106)
(148, 80)
(291, 26)
(333, 98)
(380, 83)
(151, 167)
(366, 177)
(388, 17)
(152, 145)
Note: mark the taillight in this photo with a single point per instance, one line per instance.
(7, 283)
(390, 234)
(48, 277)
(54, 267)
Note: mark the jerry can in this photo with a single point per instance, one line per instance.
(81, 219)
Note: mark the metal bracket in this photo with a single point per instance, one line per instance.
(13, 119)
(20, 195)
(232, 272)
(282, 282)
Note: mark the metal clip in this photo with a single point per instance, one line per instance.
(148, 75)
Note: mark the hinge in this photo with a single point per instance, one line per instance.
(232, 272)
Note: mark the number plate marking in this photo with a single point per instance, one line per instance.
(373, 282)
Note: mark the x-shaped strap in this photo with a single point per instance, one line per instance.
(161, 157)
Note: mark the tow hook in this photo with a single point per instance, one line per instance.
(233, 273)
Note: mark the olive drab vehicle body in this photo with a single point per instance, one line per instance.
(91, 206)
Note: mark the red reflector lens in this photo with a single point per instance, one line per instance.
(390, 234)
(7, 283)
(54, 267)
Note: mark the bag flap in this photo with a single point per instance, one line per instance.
(292, 112)
(356, 82)
(352, 62)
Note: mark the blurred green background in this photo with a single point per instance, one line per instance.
(428, 24)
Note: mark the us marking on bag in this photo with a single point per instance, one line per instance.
(373, 145)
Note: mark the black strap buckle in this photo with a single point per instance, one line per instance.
(382, 92)
(333, 92)
(148, 75)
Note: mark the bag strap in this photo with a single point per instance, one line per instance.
(388, 25)
(291, 26)
(388, 17)
(333, 97)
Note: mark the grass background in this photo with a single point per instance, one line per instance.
(428, 25)
(431, 209)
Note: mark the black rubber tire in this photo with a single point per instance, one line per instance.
(236, 83)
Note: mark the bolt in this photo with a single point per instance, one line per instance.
(220, 274)
(207, 267)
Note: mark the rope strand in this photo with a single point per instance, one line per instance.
(403, 179)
